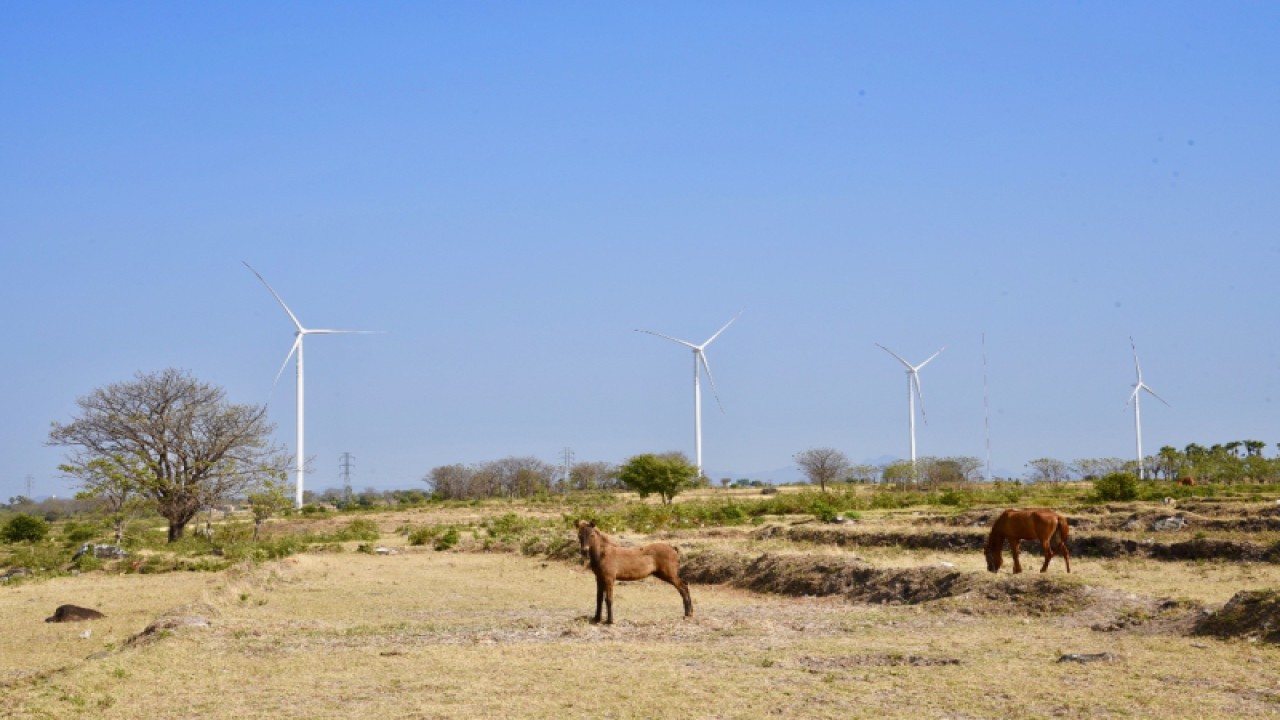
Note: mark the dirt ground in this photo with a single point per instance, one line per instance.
(421, 634)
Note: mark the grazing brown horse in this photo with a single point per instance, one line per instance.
(1046, 526)
(612, 562)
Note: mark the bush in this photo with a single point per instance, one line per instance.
(359, 529)
(1116, 486)
(77, 533)
(448, 539)
(25, 528)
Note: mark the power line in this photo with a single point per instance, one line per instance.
(344, 465)
(567, 457)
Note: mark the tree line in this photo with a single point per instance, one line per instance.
(1232, 462)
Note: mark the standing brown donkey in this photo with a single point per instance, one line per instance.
(611, 562)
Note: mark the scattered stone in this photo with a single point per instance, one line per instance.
(1169, 523)
(881, 660)
(1089, 657)
(156, 629)
(101, 550)
(15, 572)
(380, 550)
(73, 613)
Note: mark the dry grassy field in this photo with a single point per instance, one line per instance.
(469, 634)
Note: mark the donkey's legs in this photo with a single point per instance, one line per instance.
(600, 599)
(1013, 550)
(608, 600)
(681, 586)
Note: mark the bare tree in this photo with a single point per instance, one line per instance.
(864, 473)
(823, 465)
(186, 447)
(1047, 470)
(593, 476)
(452, 482)
(949, 470)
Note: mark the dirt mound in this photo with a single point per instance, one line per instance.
(968, 518)
(801, 575)
(1252, 614)
(842, 537)
(1080, 544)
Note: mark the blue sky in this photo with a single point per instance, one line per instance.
(509, 190)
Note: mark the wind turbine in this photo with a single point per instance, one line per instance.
(699, 364)
(913, 391)
(301, 333)
(1138, 387)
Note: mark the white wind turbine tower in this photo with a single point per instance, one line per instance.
(301, 332)
(1138, 387)
(913, 391)
(699, 364)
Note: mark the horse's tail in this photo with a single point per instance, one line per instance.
(1061, 532)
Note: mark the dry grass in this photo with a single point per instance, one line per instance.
(445, 635)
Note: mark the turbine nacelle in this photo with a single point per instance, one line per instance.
(913, 375)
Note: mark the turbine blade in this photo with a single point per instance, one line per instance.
(705, 366)
(904, 362)
(689, 345)
(931, 357)
(726, 327)
(915, 379)
(1153, 393)
(344, 332)
(1136, 367)
(297, 341)
(292, 317)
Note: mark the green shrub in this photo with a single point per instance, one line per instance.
(1116, 486)
(78, 533)
(88, 562)
(423, 535)
(39, 556)
(359, 529)
(448, 539)
(25, 528)
(510, 526)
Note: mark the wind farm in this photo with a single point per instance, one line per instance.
(427, 522)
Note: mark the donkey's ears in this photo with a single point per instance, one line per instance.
(592, 523)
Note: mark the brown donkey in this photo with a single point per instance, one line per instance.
(611, 562)
(1045, 526)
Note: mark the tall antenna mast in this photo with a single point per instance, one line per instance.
(344, 464)
(566, 457)
(986, 404)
